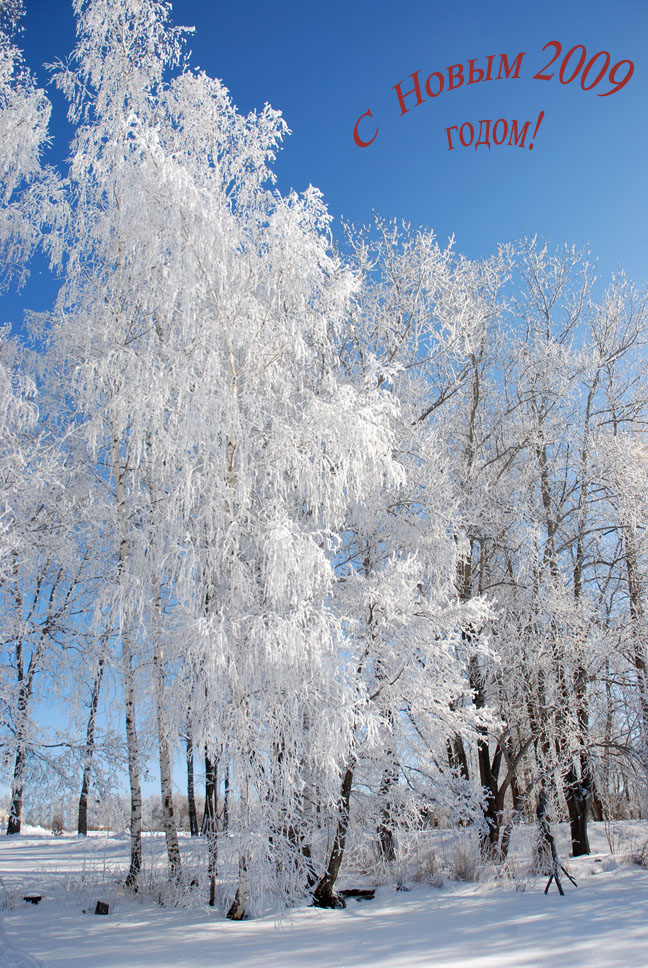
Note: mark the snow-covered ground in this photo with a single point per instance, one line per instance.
(487, 924)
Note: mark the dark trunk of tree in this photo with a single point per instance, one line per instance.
(547, 846)
(209, 825)
(536, 706)
(596, 806)
(635, 591)
(226, 791)
(577, 796)
(457, 757)
(492, 815)
(136, 793)
(191, 793)
(491, 843)
(82, 820)
(386, 839)
(576, 788)
(209, 813)
(82, 824)
(578, 791)
(17, 792)
(324, 896)
(25, 684)
(544, 844)
(212, 864)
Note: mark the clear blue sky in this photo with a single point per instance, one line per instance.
(325, 64)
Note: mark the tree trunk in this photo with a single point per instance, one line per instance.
(324, 896)
(536, 707)
(25, 686)
(516, 797)
(457, 758)
(238, 906)
(226, 796)
(17, 792)
(128, 682)
(577, 798)
(133, 770)
(209, 811)
(543, 849)
(82, 825)
(191, 793)
(166, 789)
(209, 826)
(386, 839)
(638, 623)
(490, 836)
(488, 775)
(596, 806)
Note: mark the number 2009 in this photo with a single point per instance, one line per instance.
(592, 72)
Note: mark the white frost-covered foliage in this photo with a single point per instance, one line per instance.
(42, 562)
(29, 193)
(18, 417)
(199, 325)
(364, 534)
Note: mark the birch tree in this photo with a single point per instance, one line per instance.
(418, 312)
(196, 326)
(43, 564)
(30, 192)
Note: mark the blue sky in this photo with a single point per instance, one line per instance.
(325, 64)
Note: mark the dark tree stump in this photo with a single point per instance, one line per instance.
(359, 894)
(328, 899)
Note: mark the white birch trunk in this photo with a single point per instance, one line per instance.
(166, 788)
(128, 681)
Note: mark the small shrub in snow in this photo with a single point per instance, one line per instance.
(640, 856)
(428, 869)
(7, 897)
(516, 871)
(464, 859)
(612, 835)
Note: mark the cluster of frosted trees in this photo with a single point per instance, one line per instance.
(359, 534)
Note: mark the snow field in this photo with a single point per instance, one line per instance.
(490, 923)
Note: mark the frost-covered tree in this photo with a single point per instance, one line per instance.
(43, 564)
(197, 329)
(620, 336)
(30, 193)
(409, 333)
(362, 530)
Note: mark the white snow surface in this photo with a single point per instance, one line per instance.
(487, 924)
